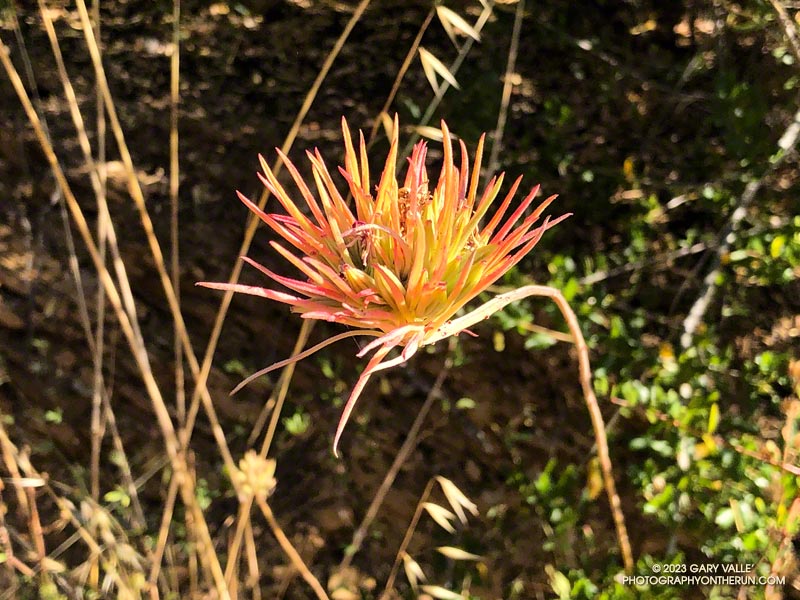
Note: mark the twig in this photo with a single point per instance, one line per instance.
(508, 85)
(201, 378)
(278, 395)
(728, 235)
(163, 532)
(102, 239)
(599, 276)
(412, 52)
(788, 28)
(155, 248)
(763, 453)
(174, 186)
(276, 400)
(294, 556)
(402, 455)
(412, 526)
(211, 562)
(100, 393)
(35, 528)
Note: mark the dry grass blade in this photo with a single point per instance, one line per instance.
(155, 248)
(19, 463)
(210, 561)
(105, 233)
(452, 21)
(443, 517)
(174, 186)
(384, 117)
(426, 131)
(457, 553)
(432, 67)
(163, 532)
(275, 404)
(102, 239)
(253, 223)
(457, 499)
(414, 572)
(294, 556)
(502, 115)
(453, 68)
(402, 551)
(438, 591)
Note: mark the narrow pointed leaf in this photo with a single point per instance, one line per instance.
(453, 19)
(438, 591)
(414, 572)
(458, 501)
(431, 64)
(457, 553)
(441, 515)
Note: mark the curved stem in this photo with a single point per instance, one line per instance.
(294, 556)
(303, 355)
(486, 310)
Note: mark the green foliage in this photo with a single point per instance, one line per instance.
(298, 423)
(706, 428)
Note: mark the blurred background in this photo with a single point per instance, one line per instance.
(668, 129)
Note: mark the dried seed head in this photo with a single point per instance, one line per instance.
(255, 476)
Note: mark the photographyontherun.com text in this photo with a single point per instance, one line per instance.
(728, 574)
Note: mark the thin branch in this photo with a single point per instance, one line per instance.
(761, 453)
(98, 391)
(412, 526)
(727, 238)
(155, 248)
(412, 52)
(788, 28)
(497, 303)
(211, 562)
(502, 115)
(294, 556)
(174, 186)
(201, 379)
(402, 455)
(106, 235)
(275, 403)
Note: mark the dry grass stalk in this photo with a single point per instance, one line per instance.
(210, 560)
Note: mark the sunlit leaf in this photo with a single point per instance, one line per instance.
(457, 553)
(559, 582)
(440, 592)
(776, 246)
(388, 124)
(441, 515)
(594, 479)
(448, 27)
(713, 418)
(452, 20)
(458, 501)
(432, 133)
(432, 66)
(413, 571)
(724, 518)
